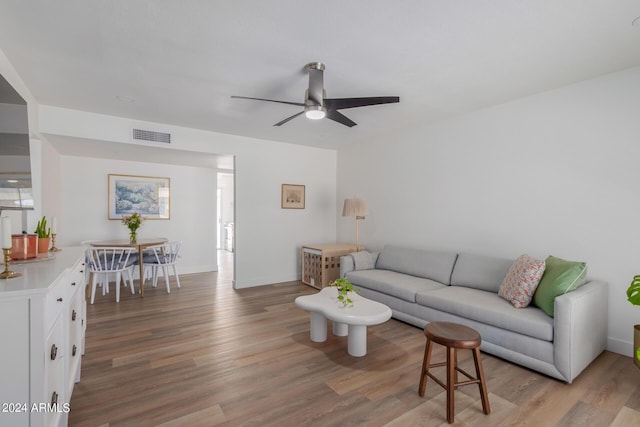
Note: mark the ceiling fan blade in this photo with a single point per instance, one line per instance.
(337, 116)
(342, 103)
(288, 118)
(315, 102)
(269, 100)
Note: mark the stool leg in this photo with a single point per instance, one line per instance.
(455, 367)
(451, 355)
(425, 368)
(482, 385)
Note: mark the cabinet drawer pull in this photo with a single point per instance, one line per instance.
(73, 315)
(54, 398)
(73, 283)
(59, 299)
(74, 350)
(54, 352)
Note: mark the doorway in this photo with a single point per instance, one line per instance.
(226, 225)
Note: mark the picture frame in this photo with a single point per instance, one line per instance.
(147, 195)
(293, 196)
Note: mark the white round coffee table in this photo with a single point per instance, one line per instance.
(351, 320)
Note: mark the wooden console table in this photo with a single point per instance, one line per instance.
(321, 263)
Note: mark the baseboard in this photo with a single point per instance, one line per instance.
(622, 347)
(190, 269)
(262, 281)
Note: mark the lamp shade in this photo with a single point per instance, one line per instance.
(355, 207)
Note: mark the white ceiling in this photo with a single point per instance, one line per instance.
(180, 61)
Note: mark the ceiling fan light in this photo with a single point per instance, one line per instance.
(315, 112)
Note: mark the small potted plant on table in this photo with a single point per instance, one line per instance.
(344, 287)
(44, 236)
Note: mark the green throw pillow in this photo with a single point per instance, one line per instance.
(559, 277)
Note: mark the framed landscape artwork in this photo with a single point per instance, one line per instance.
(292, 196)
(147, 195)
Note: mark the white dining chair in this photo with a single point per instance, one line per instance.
(103, 261)
(163, 256)
(87, 273)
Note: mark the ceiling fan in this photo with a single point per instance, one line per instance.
(317, 106)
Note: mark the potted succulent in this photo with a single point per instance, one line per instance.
(44, 235)
(633, 296)
(344, 287)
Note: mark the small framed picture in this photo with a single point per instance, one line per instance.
(292, 196)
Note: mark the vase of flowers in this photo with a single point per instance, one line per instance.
(133, 222)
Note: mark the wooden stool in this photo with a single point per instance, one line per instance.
(453, 336)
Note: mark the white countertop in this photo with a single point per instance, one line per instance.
(37, 276)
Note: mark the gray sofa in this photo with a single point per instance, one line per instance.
(422, 286)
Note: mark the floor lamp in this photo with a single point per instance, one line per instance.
(357, 208)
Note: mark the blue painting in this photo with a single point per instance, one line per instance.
(148, 196)
(136, 196)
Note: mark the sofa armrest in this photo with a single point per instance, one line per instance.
(580, 327)
(346, 265)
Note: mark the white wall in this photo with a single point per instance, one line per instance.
(555, 173)
(84, 212)
(268, 238)
(47, 165)
(270, 235)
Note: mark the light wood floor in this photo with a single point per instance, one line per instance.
(207, 355)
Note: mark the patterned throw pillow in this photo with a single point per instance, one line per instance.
(521, 280)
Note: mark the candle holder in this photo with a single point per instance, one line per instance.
(8, 274)
(53, 244)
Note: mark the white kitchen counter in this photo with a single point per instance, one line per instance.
(38, 276)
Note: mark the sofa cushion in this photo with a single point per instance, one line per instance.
(362, 260)
(424, 263)
(489, 308)
(559, 277)
(480, 271)
(522, 280)
(399, 285)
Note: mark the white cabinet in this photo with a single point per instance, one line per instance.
(14, 334)
(42, 324)
(75, 331)
(54, 373)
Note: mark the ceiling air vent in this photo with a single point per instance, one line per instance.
(149, 135)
